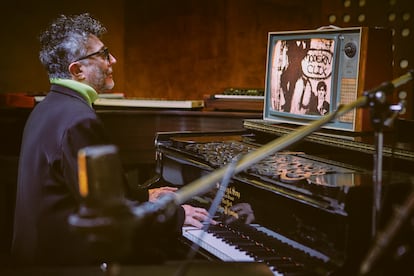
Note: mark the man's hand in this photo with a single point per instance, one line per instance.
(156, 193)
(243, 212)
(194, 216)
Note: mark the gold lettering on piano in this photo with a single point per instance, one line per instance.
(227, 202)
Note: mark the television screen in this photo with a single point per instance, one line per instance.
(301, 76)
(310, 73)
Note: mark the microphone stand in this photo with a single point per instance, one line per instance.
(382, 114)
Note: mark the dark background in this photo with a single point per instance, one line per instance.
(184, 49)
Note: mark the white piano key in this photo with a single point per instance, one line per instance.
(215, 245)
(218, 247)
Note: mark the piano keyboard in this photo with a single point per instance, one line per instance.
(264, 246)
(215, 245)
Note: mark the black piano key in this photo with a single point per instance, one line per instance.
(279, 256)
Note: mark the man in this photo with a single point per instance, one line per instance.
(323, 105)
(79, 66)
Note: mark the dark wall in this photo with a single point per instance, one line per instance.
(182, 49)
(395, 15)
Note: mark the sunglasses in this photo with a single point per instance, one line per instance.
(104, 53)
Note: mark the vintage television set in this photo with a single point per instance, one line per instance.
(311, 72)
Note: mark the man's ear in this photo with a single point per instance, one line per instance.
(75, 69)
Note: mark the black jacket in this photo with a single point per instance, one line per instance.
(47, 191)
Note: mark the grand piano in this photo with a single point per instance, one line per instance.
(306, 210)
(320, 205)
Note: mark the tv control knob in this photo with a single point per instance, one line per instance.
(350, 49)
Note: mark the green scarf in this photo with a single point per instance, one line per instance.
(85, 90)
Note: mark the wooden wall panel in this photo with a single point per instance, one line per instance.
(184, 49)
(23, 20)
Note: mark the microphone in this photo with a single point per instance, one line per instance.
(387, 87)
(104, 216)
(403, 79)
(100, 179)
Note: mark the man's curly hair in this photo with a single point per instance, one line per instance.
(65, 40)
